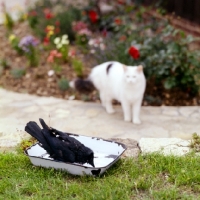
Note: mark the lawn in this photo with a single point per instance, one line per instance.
(151, 176)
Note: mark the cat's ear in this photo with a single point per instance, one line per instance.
(140, 68)
(124, 67)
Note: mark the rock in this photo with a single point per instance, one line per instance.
(167, 146)
(132, 147)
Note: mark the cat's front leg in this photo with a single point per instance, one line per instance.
(136, 112)
(127, 111)
(106, 102)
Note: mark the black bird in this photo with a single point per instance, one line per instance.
(59, 145)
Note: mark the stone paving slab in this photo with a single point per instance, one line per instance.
(166, 146)
(91, 119)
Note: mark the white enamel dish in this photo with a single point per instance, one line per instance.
(106, 153)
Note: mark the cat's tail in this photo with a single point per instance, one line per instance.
(83, 86)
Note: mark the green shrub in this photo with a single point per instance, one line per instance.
(66, 18)
(14, 41)
(33, 19)
(57, 14)
(8, 20)
(165, 55)
(4, 64)
(18, 73)
(63, 84)
(78, 67)
(28, 45)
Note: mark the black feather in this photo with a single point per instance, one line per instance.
(35, 131)
(60, 145)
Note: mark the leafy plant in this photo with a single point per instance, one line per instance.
(57, 14)
(33, 18)
(18, 73)
(4, 63)
(162, 50)
(28, 45)
(24, 144)
(78, 67)
(62, 44)
(8, 21)
(168, 60)
(14, 41)
(66, 18)
(63, 84)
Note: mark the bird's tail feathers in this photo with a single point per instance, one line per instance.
(44, 125)
(35, 131)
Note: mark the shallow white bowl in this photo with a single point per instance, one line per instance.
(106, 153)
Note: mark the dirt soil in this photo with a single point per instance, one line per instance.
(37, 81)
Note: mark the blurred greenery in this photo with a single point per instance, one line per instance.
(164, 51)
(18, 73)
(63, 84)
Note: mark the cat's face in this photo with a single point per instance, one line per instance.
(132, 74)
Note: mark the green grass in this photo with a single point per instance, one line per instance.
(146, 177)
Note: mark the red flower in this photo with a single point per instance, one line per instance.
(104, 33)
(72, 53)
(93, 16)
(46, 41)
(48, 15)
(134, 53)
(78, 26)
(118, 21)
(122, 38)
(121, 2)
(57, 23)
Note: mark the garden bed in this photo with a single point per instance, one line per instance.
(169, 82)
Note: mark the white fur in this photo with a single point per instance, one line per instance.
(123, 83)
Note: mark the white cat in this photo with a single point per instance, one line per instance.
(116, 81)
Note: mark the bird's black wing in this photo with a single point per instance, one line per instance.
(67, 148)
(82, 153)
(60, 147)
(67, 139)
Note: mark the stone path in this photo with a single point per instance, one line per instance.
(91, 119)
